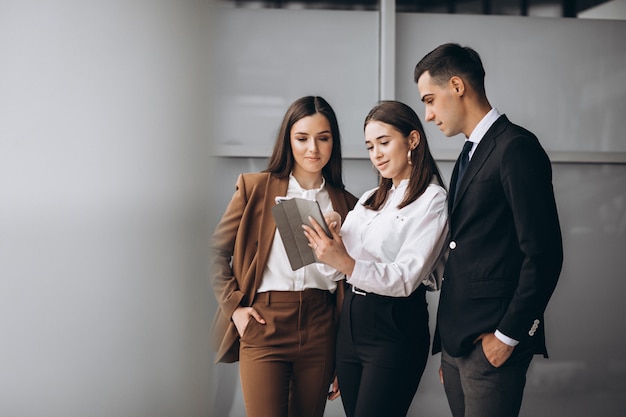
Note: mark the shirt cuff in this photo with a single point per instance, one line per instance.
(505, 339)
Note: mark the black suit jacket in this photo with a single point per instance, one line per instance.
(505, 244)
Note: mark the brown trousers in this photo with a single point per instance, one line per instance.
(287, 364)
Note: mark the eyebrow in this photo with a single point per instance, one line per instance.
(378, 138)
(323, 132)
(426, 95)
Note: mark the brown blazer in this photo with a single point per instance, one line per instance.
(244, 236)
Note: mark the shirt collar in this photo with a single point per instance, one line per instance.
(403, 184)
(482, 127)
(294, 185)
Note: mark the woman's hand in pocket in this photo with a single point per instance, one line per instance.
(241, 318)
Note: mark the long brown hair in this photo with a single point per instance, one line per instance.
(281, 162)
(405, 120)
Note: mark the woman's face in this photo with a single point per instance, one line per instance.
(311, 144)
(388, 149)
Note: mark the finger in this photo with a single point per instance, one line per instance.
(256, 316)
(316, 226)
(332, 217)
(310, 234)
(334, 392)
(441, 374)
(333, 395)
(335, 233)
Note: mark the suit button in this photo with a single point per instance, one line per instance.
(531, 332)
(536, 321)
(452, 244)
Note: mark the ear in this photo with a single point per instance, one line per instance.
(414, 139)
(457, 84)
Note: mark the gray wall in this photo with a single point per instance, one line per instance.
(103, 175)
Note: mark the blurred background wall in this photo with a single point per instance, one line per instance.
(103, 185)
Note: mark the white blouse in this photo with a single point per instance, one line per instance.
(396, 250)
(278, 275)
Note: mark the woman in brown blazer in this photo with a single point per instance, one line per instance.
(278, 323)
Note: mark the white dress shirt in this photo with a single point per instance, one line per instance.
(278, 275)
(395, 249)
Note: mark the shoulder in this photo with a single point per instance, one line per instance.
(435, 190)
(512, 135)
(515, 142)
(433, 199)
(257, 179)
(259, 183)
(254, 178)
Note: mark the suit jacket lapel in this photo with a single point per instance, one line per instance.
(274, 187)
(481, 153)
(455, 173)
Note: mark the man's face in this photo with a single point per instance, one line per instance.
(443, 105)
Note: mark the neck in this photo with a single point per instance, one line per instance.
(475, 115)
(308, 180)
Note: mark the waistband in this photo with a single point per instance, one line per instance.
(357, 291)
(309, 294)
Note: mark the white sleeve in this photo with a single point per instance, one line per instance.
(423, 235)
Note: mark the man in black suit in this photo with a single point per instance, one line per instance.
(505, 243)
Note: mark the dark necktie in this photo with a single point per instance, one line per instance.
(463, 161)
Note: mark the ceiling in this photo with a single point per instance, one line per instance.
(562, 8)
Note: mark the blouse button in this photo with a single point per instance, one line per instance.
(452, 244)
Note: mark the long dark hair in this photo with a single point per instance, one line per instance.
(405, 120)
(281, 162)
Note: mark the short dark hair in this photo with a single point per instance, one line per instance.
(281, 162)
(404, 119)
(449, 60)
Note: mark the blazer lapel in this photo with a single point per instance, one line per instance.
(455, 173)
(274, 187)
(481, 153)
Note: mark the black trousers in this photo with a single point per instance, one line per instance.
(382, 349)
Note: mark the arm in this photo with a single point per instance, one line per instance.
(225, 285)
(527, 183)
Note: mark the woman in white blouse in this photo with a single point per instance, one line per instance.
(390, 249)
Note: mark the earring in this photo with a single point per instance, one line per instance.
(409, 154)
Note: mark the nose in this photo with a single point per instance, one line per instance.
(429, 116)
(313, 145)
